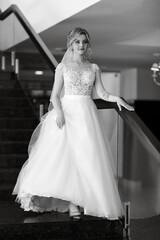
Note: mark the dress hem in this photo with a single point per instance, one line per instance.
(29, 206)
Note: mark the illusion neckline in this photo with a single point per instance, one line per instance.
(79, 69)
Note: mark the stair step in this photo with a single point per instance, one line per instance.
(12, 160)
(5, 76)
(10, 92)
(8, 175)
(25, 112)
(13, 102)
(6, 190)
(15, 134)
(77, 230)
(17, 224)
(5, 84)
(18, 123)
(13, 147)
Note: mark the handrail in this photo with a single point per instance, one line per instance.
(41, 46)
(137, 125)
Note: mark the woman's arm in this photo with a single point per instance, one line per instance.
(107, 96)
(55, 98)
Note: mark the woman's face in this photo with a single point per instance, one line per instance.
(80, 44)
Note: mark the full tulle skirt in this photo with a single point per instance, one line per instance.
(71, 164)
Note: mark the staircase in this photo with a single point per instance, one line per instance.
(17, 122)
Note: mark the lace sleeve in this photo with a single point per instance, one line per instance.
(60, 66)
(95, 67)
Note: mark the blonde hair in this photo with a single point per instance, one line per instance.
(73, 34)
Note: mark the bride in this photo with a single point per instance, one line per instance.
(68, 167)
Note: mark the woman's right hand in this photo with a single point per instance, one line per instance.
(121, 103)
(60, 120)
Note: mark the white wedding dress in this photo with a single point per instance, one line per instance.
(71, 164)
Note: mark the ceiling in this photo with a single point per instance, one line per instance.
(124, 33)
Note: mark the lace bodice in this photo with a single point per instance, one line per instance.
(78, 82)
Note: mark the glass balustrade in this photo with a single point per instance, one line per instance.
(139, 168)
(20, 55)
(136, 164)
(108, 120)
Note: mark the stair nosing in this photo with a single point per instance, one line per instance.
(9, 97)
(20, 118)
(12, 155)
(29, 106)
(4, 142)
(15, 129)
(9, 170)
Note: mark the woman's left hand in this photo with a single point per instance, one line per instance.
(121, 103)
